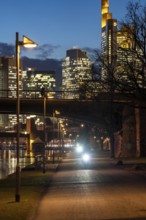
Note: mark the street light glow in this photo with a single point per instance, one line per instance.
(28, 43)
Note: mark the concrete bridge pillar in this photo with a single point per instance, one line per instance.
(133, 132)
(129, 148)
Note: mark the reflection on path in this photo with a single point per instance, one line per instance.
(8, 161)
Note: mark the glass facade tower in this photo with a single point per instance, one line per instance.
(76, 68)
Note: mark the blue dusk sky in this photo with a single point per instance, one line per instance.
(56, 25)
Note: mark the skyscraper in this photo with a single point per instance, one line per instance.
(34, 80)
(76, 68)
(117, 47)
(8, 85)
(109, 36)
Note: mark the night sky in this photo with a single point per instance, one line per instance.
(56, 25)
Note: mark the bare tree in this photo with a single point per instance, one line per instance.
(126, 71)
(125, 74)
(133, 49)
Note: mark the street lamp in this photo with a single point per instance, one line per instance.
(25, 43)
(44, 95)
(55, 113)
(45, 141)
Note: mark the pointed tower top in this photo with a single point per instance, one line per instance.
(105, 12)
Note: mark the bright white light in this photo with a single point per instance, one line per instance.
(30, 45)
(79, 148)
(85, 157)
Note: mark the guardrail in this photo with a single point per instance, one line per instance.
(36, 94)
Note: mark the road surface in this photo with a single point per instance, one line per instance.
(101, 190)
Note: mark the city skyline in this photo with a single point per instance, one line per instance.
(56, 25)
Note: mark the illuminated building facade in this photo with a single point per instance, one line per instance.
(105, 13)
(8, 77)
(31, 82)
(76, 68)
(8, 85)
(109, 36)
(34, 80)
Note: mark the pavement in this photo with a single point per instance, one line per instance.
(133, 165)
(52, 166)
(128, 163)
(48, 166)
(137, 164)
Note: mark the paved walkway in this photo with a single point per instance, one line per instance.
(104, 190)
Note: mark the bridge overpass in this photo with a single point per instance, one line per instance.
(73, 108)
(97, 111)
(36, 106)
(9, 105)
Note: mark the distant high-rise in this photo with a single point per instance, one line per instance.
(112, 42)
(117, 48)
(109, 35)
(8, 85)
(34, 80)
(8, 77)
(76, 68)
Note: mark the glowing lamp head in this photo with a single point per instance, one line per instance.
(28, 43)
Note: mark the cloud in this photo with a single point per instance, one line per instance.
(45, 51)
(7, 49)
(42, 52)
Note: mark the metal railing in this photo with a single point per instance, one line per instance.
(35, 94)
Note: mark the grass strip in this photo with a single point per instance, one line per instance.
(32, 185)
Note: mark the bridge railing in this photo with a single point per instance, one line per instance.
(36, 94)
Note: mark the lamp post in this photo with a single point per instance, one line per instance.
(45, 139)
(44, 95)
(26, 43)
(59, 136)
(55, 113)
(59, 132)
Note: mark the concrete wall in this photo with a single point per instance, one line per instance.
(131, 140)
